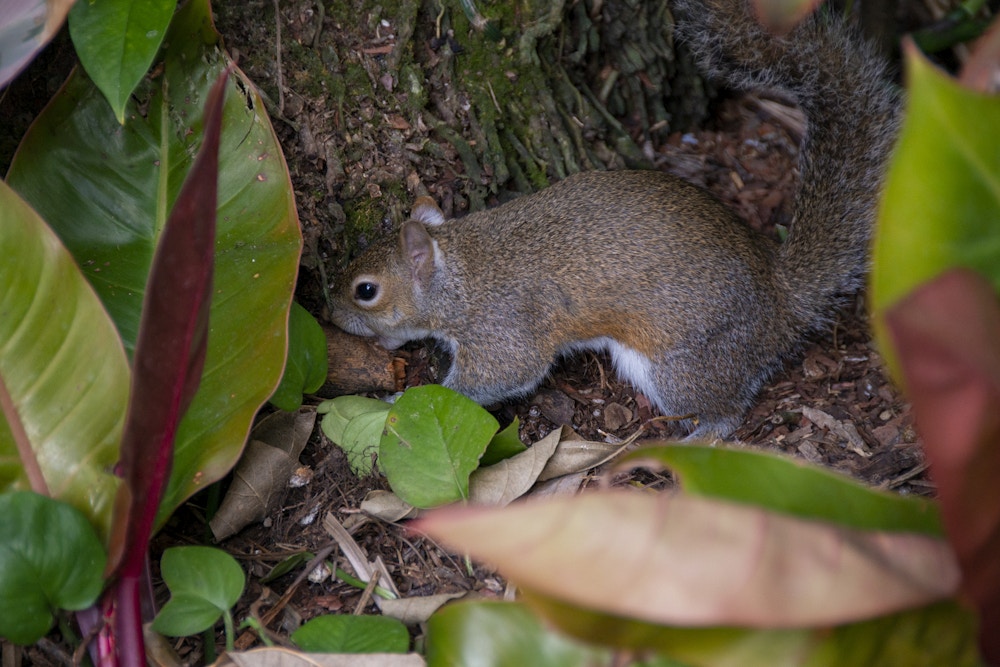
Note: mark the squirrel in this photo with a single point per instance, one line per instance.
(696, 309)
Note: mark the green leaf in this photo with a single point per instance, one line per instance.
(116, 41)
(930, 636)
(305, 369)
(497, 634)
(106, 190)
(352, 634)
(289, 564)
(355, 424)
(204, 582)
(792, 487)
(433, 440)
(63, 364)
(50, 558)
(942, 194)
(504, 445)
(939, 634)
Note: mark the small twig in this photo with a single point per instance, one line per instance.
(54, 652)
(24, 450)
(437, 22)
(366, 597)
(906, 476)
(320, 15)
(493, 96)
(243, 641)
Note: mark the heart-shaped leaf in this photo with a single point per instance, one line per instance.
(355, 424)
(50, 558)
(204, 583)
(504, 445)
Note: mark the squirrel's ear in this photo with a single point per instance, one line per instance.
(426, 210)
(419, 250)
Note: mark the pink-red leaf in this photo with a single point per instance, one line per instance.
(780, 16)
(167, 366)
(170, 349)
(693, 561)
(947, 338)
(982, 71)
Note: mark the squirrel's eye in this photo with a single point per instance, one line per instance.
(365, 291)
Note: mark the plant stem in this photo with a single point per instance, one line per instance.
(227, 620)
(208, 645)
(358, 583)
(24, 450)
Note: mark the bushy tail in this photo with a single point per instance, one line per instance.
(843, 86)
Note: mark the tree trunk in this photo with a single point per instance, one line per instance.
(469, 102)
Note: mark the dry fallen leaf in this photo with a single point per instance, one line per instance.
(417, 609)
(262, 476)
(575, 454)
(696, 561)
(508, 480)
(387, 506)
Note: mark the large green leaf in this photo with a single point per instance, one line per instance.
(106, 190)
(71, 404)
(117, 40)
(709, 583)
(941, 207)
(930, 636)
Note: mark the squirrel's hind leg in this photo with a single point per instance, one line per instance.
(716, 394)
(490, 375)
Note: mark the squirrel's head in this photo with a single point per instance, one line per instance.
(381, 292)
